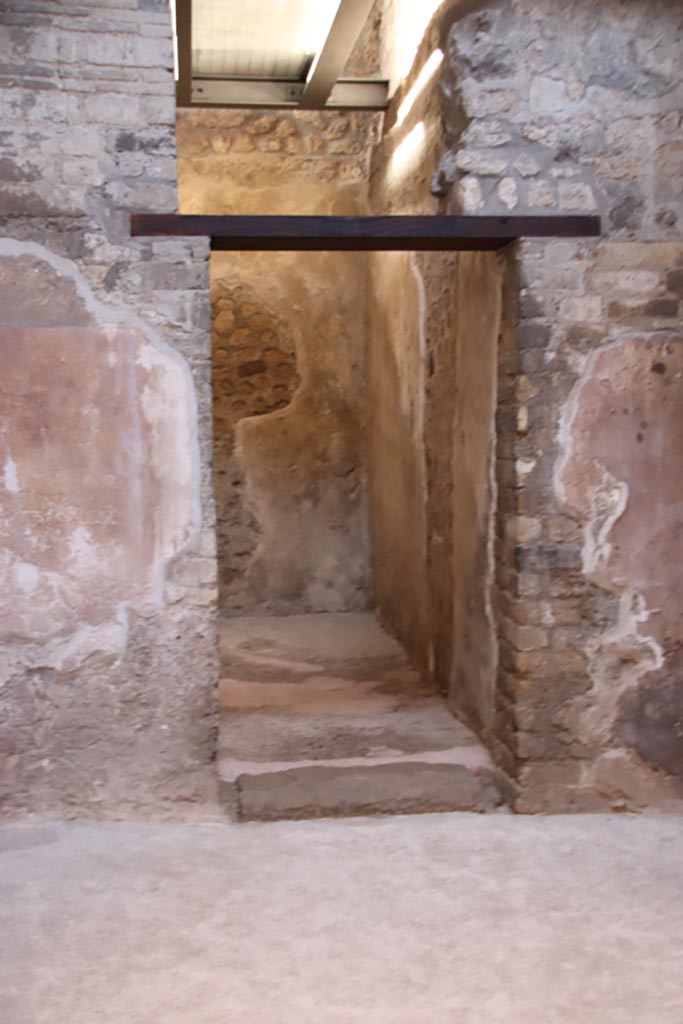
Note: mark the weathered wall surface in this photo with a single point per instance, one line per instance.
(433, 381)
(578, 108)
(473, 671)
(106, 553)
(399, 371)
(254, 373)
(291, 474)
(396, 464)
(433, 390)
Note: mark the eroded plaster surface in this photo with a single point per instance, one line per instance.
(99, 500)
(620, 474)
(100, 467)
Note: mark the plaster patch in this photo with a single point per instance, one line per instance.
(27, 576)
(608, 502)
(11, 476)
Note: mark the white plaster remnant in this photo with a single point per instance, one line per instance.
(65, 653)
(618, 659)
(11, 476)
(633, 611)
(27, 576)
(564, 433)
(524, 467)
(608, 503)
(82, 552)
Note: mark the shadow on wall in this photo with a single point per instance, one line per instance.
(254, 373)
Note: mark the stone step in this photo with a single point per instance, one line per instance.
(323, 716)
(326, 791)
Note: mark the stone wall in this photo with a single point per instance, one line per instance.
(254, 374)
(588, 660)
(569, 108)
(108, 665)
(525, 510)
(291, 498)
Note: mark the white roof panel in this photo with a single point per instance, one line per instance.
(253, 39)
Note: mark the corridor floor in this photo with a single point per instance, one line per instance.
(430, 919)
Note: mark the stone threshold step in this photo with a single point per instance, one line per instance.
(335, 792)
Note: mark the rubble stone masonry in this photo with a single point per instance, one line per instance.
(545, 108)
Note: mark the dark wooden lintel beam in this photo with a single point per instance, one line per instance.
(183, 14)
(296, 234)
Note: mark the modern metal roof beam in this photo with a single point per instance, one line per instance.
(322, 90)
(253, 92)
(347, 25)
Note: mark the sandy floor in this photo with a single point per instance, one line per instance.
(436, 919)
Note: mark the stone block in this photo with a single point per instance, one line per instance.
(110, 108)
(582, 309)
(576, 197)
(410, 788)
(481, 162)
(548, 96)
(508, 193)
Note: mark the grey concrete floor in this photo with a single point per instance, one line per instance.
(434, 919)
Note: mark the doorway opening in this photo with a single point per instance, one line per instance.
(364, 495)
(320, 478)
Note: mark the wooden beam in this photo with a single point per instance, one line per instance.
(295, 234)
(329, 63)
(183, 23)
